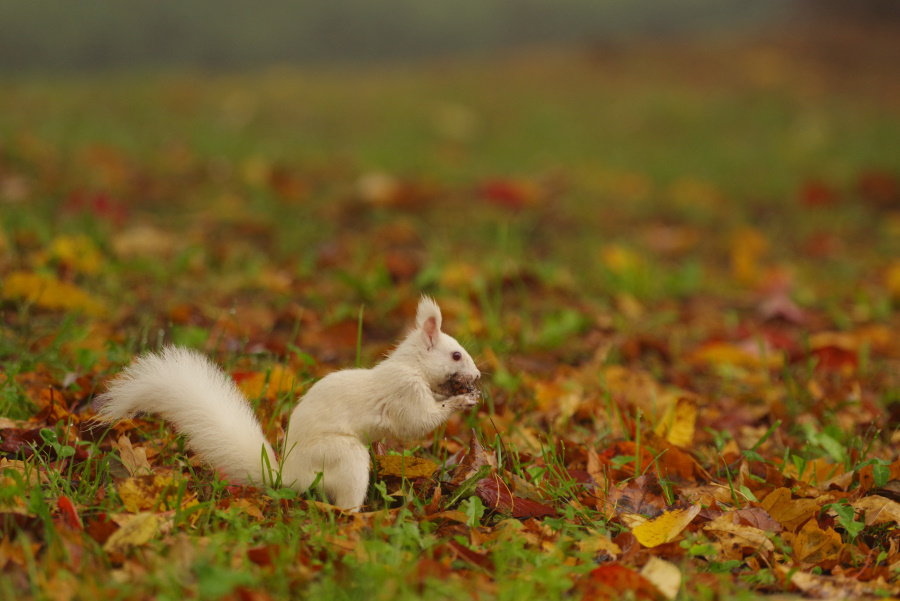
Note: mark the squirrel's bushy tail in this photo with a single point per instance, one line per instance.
(202, 401)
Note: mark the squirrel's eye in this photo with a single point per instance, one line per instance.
(456, 355)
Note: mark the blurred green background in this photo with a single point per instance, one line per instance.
(227, 34)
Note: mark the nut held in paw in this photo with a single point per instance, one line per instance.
(456, 385)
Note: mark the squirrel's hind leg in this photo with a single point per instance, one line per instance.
(347, 481)
(343, 462)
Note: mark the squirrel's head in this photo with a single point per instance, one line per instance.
(447, 365)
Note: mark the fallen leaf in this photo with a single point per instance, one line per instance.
(839, 587)
(599, 544)
(405, 467)
(816, 547)
(790, 513)
(614, 581)
(878, 510)
(664, 575)
(495, 494)
(271, 384)
(643, 495)
(737, 541)
(755, 517)
(666, 527)
(46, 291)
(748, 248)
(69, 513)
(678, 426)
(138, 530)
(155, 491)
(77, 252)
(134, 459)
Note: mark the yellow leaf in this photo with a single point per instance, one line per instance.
(599, 543)
(678, 427)
(78, 252)
(406, 467)
(155, 491)
(892, 279)
(459, 275)
(664, 575)
(748, 247)
(47, 292)
(726, 353)
(665, 528)
(247, 507)
(272, 384)
(136, 531)
(620, 260)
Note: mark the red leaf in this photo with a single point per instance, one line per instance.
(880, 188)
(474, 557)
(495, 494)
(69, 513)
(507, 193)
(261, 556)
(611, 581)
(834, 358)
(817, 194)
(101, 528)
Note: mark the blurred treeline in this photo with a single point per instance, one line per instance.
(61, 35)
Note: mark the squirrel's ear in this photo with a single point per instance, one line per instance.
(428, 321)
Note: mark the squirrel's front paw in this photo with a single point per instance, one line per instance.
(470, 399)
(464, 401)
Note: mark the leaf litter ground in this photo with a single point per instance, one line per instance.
(680, 282)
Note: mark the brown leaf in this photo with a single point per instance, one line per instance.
(643, 496)
(474, 557)
(101, 528)
(474, 458)
(737, 541)
(134, 459)
(497, 495)
(878, 510)
(790, 513)
(755, 517)
(816, 547)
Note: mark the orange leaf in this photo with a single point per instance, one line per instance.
(613, 581)
(69, 513)
(790, 513)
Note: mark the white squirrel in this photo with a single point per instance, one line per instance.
(410, 393)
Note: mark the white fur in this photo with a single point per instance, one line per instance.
(201, 400)
(330, 428)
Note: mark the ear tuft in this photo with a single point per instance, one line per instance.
(428, 321)
(428, 309)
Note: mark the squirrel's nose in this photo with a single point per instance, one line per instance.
(477, 376)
